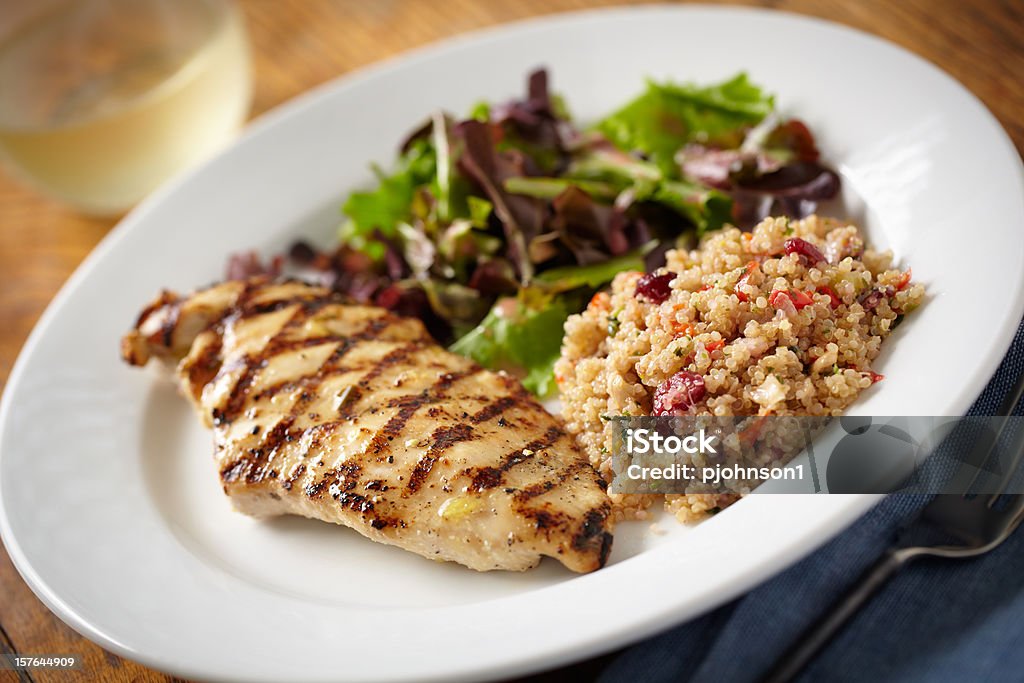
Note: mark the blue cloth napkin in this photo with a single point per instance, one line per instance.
(953, 620)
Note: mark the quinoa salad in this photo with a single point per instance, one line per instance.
(784, 320)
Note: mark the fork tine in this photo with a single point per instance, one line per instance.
(1006, 410)
(1011, 467)
(1009, 403)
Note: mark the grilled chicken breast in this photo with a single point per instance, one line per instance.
(351, 415)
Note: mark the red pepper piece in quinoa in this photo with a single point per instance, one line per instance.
(904, 280)
(795, 296)
(743, 280)
(834, 299)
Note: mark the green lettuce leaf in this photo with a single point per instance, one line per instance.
(549, 188)
(705, 207)
(529, 340)
(667, 116)
(594, 276)
(479, 211)
(390, 203)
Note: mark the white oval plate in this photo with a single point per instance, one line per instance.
(109, 504)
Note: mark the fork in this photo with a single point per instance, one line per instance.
(961, 526)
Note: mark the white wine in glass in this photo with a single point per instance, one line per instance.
(103, 100)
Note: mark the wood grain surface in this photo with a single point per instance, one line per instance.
(300, 43)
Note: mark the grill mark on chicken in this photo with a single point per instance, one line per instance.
(311, 382)
(293, 477)
(493, 410)
(314, 298)
(344, 477)
(592, 532)
(169, 304)
(202, 369)
(277, 388)
(164, 300)
(253, 364)
(281, 432)
(354, 391)
(489, 477)
(249, 288)
(232, 471)
(331, 367)
(346, 411)
(419, 473)
(310, 306)
(543, 487)
(547, 520)
(409, 404)
(170, 324)
(252, 465)
(360, 503)
(389, 360)
(276, 346)
(236, 398)
(587, 536)
(443, 438)
(304, 399)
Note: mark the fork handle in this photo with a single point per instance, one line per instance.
(818, 634)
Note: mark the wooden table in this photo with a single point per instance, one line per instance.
(300, 43)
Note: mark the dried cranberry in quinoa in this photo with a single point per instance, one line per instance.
(870, 299)
(678, 393)
(655, 288)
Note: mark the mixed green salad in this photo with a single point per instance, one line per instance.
(495, 227)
